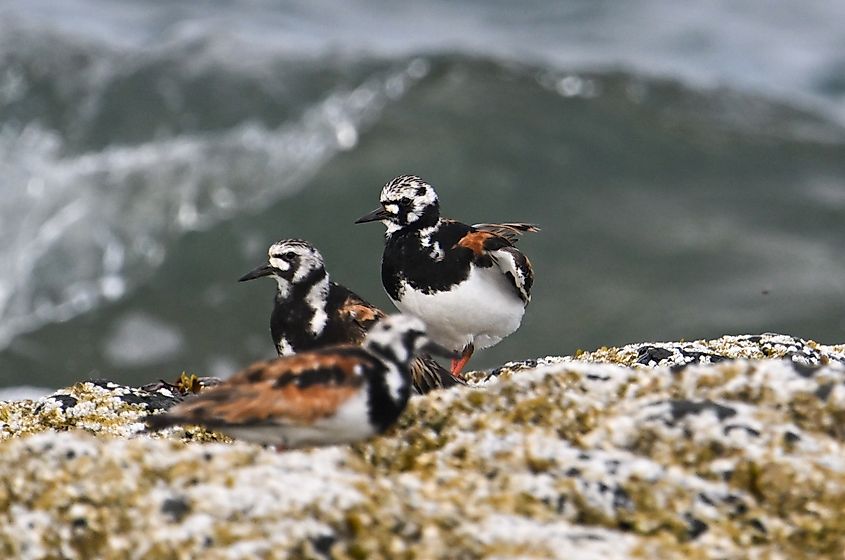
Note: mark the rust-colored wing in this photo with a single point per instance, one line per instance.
(291, 390)
(490, 248)
(358, 312)
(482, 242)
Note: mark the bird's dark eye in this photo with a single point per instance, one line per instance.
(289, 255)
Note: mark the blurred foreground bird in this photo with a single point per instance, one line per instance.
(339, 394)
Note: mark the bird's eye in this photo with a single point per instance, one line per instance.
(289, 255)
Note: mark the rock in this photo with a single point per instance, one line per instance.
(715, 449)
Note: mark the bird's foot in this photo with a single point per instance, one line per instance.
(458, 364)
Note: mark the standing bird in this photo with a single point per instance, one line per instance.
(470, 284)
(338, 394)
(311, 311)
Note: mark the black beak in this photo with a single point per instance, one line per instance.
(263, 270)
(375, 216)
(437, 350)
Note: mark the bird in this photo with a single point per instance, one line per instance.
(310, 311)
(337, 394)
(468, 283)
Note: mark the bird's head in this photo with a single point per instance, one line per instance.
(289, 261)
(406, 201)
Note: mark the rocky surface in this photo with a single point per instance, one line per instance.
(731, 448)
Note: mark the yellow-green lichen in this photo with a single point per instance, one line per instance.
(563, 458)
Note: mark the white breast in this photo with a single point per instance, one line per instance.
(350, 424)
(482, 310)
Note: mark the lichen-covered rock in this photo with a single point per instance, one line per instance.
(97, 406)
(678, 355)
(100, 407)
(731, 448)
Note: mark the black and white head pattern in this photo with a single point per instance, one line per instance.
(294, 260)
(396, 338)
(409, 200)
(297, 262)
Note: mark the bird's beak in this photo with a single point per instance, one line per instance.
(437, 350)
(263, 270)
(375, 216)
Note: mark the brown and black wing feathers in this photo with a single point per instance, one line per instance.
(427, 375)
(290, 390)
(487, 247)
(359, 316)
(509, 230)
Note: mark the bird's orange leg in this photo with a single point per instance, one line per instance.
(458, 365)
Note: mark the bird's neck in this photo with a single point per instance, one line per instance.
(300, 311)
(395, 354)
(417, 228)
(391, 389)
(315, 281)
(395, 380)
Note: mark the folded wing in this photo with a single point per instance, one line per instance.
(295, 390)
(491, 248)
(509, 230)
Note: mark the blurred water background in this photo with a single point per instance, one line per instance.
(685, 160)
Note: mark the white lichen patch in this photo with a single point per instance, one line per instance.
(732, 448)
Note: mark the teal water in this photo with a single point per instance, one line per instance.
(141, 177)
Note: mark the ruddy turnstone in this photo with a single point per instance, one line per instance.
(311, 311)
(470, 284)
(338, 394)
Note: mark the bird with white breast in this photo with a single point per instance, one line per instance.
(468, 283)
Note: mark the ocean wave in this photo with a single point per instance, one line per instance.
(791, 52)
(100, 221)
